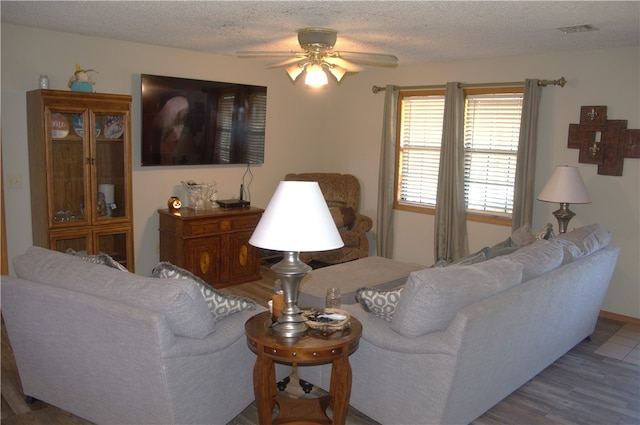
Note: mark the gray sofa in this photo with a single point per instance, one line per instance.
(461, 338)
(113, 347)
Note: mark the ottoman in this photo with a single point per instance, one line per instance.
(373, 272)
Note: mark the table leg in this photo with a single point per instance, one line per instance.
(340, 388)
(264, 387)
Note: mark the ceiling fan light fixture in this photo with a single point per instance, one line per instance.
(294, 71)
(316, 77)
(317, 39)
(317, 58)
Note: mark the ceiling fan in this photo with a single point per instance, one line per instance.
(318, 55)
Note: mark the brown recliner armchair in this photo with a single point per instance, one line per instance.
(342, 193)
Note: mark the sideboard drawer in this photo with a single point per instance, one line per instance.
(203, 227)
(218, 225)
(243, 223)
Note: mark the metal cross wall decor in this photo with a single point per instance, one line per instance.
(603, 142)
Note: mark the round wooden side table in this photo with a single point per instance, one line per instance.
(312, 348)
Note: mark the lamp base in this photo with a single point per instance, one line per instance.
(564, 215)
(290, 271)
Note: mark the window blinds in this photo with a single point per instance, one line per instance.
(491, 136)
(420, 140)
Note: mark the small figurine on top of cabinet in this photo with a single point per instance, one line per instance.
(81, 80)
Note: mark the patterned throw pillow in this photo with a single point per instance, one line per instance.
(220, 305)
(101, 258)
(380, 303)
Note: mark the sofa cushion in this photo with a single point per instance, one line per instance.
(181, 303)
(380, 303)
(583, 241)
(101, 258)
(432, 297)
(220, 305)
(538, 258)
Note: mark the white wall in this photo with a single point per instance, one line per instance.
(292, 125)
(334, 130)
(600, 77)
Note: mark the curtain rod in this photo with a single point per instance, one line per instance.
(543, 83)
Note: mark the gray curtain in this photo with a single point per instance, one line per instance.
(523, 195)
(386, 175)
(450, 222)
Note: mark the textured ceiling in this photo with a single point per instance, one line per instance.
(414, 31)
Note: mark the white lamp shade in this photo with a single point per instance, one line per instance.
(565, 186)
(297, 219)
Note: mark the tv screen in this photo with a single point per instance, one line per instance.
(191, 122)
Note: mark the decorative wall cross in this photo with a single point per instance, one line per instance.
(602, 141)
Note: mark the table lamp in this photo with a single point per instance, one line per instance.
(297, 219)
(566, 187)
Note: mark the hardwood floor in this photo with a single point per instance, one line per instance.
(579, 388)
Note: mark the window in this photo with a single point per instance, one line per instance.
(491, 135)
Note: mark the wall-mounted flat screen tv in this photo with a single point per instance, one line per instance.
(193, 122)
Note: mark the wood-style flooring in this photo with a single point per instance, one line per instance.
(579, 388)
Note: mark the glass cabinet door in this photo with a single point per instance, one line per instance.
(118, 244)
(69, 167)
(79, 242)
(111, 167)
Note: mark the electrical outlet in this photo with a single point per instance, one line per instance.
(14, 181)
(158, 248)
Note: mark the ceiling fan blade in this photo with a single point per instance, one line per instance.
(261, 54)
(350, 67)
(287, 62)
(373, 59)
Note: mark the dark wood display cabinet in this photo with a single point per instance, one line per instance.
(80, 172)
(212, 243)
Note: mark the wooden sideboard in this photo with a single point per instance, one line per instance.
(212, 243)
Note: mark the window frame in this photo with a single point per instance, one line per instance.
(471, 215)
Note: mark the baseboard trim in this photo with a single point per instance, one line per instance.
(619, 317)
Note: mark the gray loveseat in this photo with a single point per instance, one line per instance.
(114, 347)
(462, 338)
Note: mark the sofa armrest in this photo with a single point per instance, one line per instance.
(228, 330)
(377, 332)
(362, 223)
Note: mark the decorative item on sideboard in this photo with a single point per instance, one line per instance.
(174, 203)
(201, 195)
